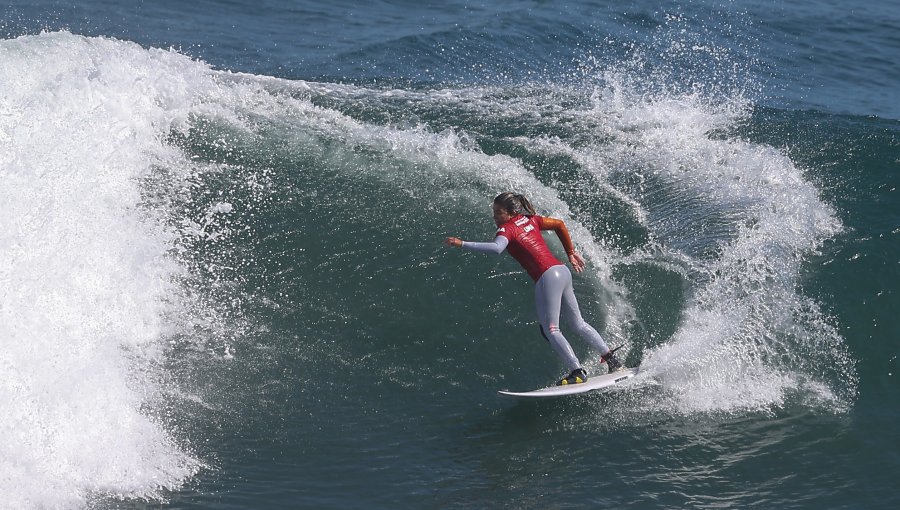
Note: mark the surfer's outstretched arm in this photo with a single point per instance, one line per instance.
(496, 246)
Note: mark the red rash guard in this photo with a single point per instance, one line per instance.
(527, 246)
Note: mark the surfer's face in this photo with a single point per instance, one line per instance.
(501, 216)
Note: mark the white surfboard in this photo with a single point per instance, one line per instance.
(596, 383)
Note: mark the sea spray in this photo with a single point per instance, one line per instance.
(86, 280)
(742, 220)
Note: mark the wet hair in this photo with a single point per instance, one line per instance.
(514, 204)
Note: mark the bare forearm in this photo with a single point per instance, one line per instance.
(562, 233)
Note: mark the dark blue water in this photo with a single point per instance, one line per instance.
(223, 285)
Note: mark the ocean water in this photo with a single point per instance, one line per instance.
(223, 284)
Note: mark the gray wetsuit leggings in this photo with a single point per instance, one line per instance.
(553, 294)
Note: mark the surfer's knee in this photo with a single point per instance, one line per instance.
(550, 330)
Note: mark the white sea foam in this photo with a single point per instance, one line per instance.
(85, 283)
(742, 218)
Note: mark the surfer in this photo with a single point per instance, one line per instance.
(519, 232)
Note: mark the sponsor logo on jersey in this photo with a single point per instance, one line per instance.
(522, 221)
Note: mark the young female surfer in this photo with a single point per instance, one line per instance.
(519, 232)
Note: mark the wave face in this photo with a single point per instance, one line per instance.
(182, 246)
